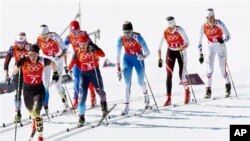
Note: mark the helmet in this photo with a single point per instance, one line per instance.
(127, 26)
(34, 48)
(21, 37)
(74, 25)
(83, 38)
(43, 29)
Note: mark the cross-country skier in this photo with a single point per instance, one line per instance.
(177, 42)
(87, 59)
(136, 51)
(72, 39)
(33, 88)
(217, 34)
(17, 50)
(52, 47)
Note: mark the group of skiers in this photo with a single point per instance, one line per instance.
(32, 70)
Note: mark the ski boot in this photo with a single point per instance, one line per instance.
(126, 110)
(18, 117)
(81, 121)
(75, 104)
(187, 96)
(228, 90)
(146, 99)
(65, 104)
(168, 101)
(208, 93)
(104, 107)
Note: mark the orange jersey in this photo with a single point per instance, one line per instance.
(174, 39)
(86, 61)
(18, 53)
(49, 47)
(213, 33)
(33, 72)
(131, 45)
(73, 40)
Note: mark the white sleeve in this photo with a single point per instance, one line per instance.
(184, 36)
(224, 29)
(201, 35)
(161, 42)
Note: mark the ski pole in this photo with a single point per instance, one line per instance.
(232, 80)
(18, 90)
(67, 92)
(188, 78)
(225, 52)
(149, 86)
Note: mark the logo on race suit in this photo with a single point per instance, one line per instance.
(34, 67)
(173, 37)
(212, 30)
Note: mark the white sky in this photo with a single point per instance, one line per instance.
(147, 16)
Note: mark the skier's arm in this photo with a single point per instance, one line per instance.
(184, 37)
(61, 45)
(144, 46)
(200, 40)
(7, 61)
(160, 46)
(119, 49)
(226, 33)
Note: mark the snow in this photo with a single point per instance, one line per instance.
(203, 121)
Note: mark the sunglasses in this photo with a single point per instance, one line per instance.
(32, 54)
(127, 32)
(83, 44)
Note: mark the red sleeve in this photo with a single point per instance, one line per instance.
(100, 53)
(74, 61)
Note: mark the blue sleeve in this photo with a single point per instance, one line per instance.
(119, 49)
(66, 41)
(144, 45)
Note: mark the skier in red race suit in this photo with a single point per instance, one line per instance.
(17, 50)
(72, 39)
(87, 59)
(217, 34)
(177, 42)
(33, 88)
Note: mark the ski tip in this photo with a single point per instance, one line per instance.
(21, 124)
(4, 125)
(67, 129)
(107, 124)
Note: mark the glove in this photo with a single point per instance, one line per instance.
(119, 74)
(220, 40)
(92, 48)
(226, 39)
(20, 62)
(201, 59)
(140, 57)
(160, 63)
(55, 76)
(66, 70)
(7, 79)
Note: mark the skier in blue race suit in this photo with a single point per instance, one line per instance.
(136, 51)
